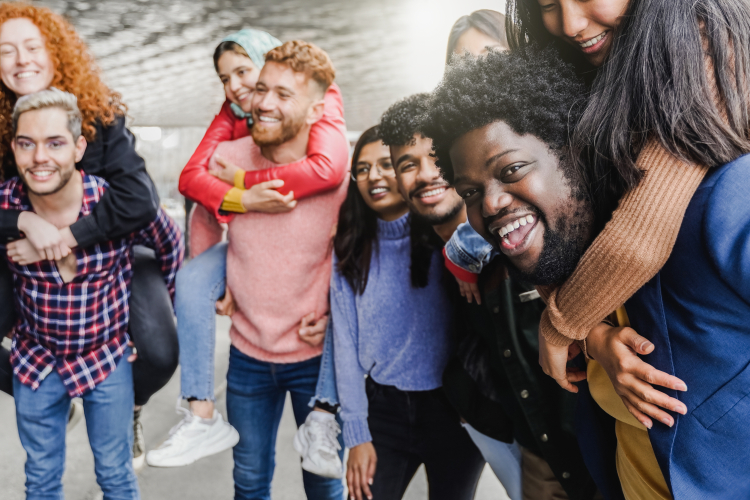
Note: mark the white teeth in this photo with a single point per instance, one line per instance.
(268, 119)
(43, 173)
(593, 41)
(432, 192)
(512, 226)
(26, 74)
(378, 190)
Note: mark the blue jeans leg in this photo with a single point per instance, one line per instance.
(109, 423)
(326, 392)
(255, 401)
(41, 416)
(199, 285)
(504, 460)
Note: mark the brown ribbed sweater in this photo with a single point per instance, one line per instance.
(633, 246)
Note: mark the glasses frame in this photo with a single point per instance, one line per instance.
(380, 171)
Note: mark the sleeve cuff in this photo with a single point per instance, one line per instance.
(549, 332)
(239, 179)
(459, 272)
(87, 232)
(233, 201)
(356, 432)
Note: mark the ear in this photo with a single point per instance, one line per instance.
(80, 147)
(316, 112)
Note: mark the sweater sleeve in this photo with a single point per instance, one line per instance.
(326, 163)
(195, 181)
(350, 377)
(631, 249)
(131, 202)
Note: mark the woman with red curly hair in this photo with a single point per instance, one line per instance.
(39, 49)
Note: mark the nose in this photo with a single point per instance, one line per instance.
(428, 171)
(374, 174)
(495, 199)
(22, 57)
(40, 155)
(234, 84)
(573, 19)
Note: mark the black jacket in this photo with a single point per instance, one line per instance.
(496, 384)
(130, 203)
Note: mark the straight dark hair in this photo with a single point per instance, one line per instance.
(489, 22)
(227, 46)
(655, 84)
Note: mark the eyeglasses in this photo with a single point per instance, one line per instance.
(361, 171)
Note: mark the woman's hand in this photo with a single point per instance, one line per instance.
(226, 170)
(46, 239)
(469, 290)
(226, 306)
(554, 361)
(617, 349)
(313, 332)
(264, 197)
(360, 469)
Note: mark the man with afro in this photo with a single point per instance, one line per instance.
(499, 126)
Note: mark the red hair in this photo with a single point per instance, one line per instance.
(75, 71)
(303, 57)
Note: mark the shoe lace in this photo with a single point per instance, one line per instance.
(327, 440)
(175, 436)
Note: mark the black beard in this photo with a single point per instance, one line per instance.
(562, 248)
(434, 219)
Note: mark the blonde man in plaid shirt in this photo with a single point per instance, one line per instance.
(71, 338)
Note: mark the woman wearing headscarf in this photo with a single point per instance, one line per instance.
(221, 189)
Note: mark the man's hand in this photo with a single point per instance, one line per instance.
(360, 469)
(617, 349)
(67, 267)
(226, 170)
(226, 306)
(469, 290)
(554, 360)
(265, 198)
(313, 332)
(43, 236)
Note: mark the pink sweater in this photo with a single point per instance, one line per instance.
(279, 266)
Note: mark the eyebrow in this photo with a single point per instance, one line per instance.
(404, 157)
(498, 156)
(52, 138)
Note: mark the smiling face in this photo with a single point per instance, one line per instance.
(25, 64)
(46, 152)
(376, 181)
(422, 185)
(285, 102)
(520, 200)
(239, 76)
(584, 24)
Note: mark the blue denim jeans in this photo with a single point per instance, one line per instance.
(504, 460)
(42, 416)
(199, 285)
(326, 392)
(256, 391)
(468, 250)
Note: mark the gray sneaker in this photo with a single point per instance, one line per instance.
(75, 415)
(139, 442)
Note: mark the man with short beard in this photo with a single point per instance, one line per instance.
(510, 115)
(278, 271)
(695, 311)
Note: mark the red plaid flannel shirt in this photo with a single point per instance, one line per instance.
(80, 328)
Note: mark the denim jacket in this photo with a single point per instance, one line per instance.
(469, 251)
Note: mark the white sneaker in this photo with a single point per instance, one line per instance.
(192, 439)
(316, 440)
(74, 415)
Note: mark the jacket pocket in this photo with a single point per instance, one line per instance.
(724, 400)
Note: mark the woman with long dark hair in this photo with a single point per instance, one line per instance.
(392, 322)
(669, 102)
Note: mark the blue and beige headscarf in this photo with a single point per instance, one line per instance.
(256, 43)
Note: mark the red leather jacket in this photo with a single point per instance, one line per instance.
(323, 169)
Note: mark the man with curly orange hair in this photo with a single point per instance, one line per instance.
(278, 271)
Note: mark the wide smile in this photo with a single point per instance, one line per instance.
(431, 195)
(42, 174)
(378, 192)
(593, 45)
(268, 120)
(23, 75)
(514, 235)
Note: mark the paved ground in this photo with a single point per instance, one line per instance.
(210, 478)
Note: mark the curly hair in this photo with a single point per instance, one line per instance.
(75, 71)
(304, 57)
(403, 119)
(534, 92)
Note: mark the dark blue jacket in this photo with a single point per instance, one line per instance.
(696, 311)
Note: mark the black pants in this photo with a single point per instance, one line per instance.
(152, 327)
(420, 427)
